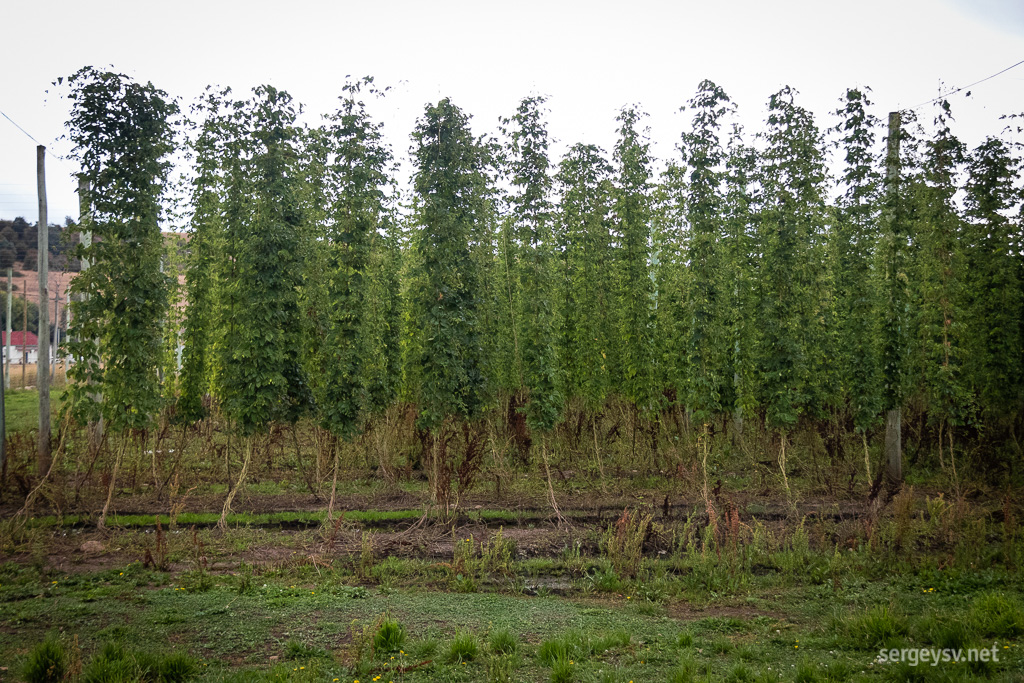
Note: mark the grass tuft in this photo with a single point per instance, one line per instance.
(47, 662)
(502, 642)
(879, 626)
(464, 648)
(390, 637)
(997, 616)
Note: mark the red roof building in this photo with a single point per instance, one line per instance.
(19, 338)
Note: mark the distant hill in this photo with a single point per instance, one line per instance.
(19, 242)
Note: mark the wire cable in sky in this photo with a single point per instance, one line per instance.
(970, 85)
(59, 160)
(20, 128)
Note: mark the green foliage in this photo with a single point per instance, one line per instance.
(202, 269)
(503, 642)
(356, 354)
(115, 663)
(390, 637)
(703, 313)
(632, 220)
(737, 270)
(123, 134)
(47, 662)
(879, 626)
(894, 268)
(940, 270)
(791, 284)
(995, 615)
(624, 541)
(449, 182)
(464, 648)
(994, 279)
(852, 248)
(259, 378)
(588, 310)
(176, 667)
(295, 650)
(531, 282)
(563, 670)
(559, 649)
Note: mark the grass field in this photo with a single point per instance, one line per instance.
(22, 408)
(640, 577)
(375, 598)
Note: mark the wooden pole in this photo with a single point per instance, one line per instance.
(3, 402)
(10, 301)
(43, 356)
(24, 327)
(894, 416)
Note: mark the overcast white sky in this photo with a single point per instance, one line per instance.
(590, 57)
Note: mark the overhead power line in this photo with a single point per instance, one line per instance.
(20, 128)
(970, 85)
(59, 160)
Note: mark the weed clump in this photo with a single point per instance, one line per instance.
(554, 649)
(390, 637)
(563, 670)
(47, 662)
(498, 554)
(464, 648)
(115, 663)
(624, 541)
(295, 650)
(879, 626)
(998, 616)
(503, 642)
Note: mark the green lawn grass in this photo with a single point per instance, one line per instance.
(22, 408)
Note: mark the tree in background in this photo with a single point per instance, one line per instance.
(205, 236)
(123, 133)
(534, 305)
(853, 246)
(532, 217)
(633, 216)
(738, 262)
(993, 287)
(791, 372)
(448, 181)
(585, 245)
(894, 270)
(355, 361)
(704, 316)
(259, 377)
(941, 272)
